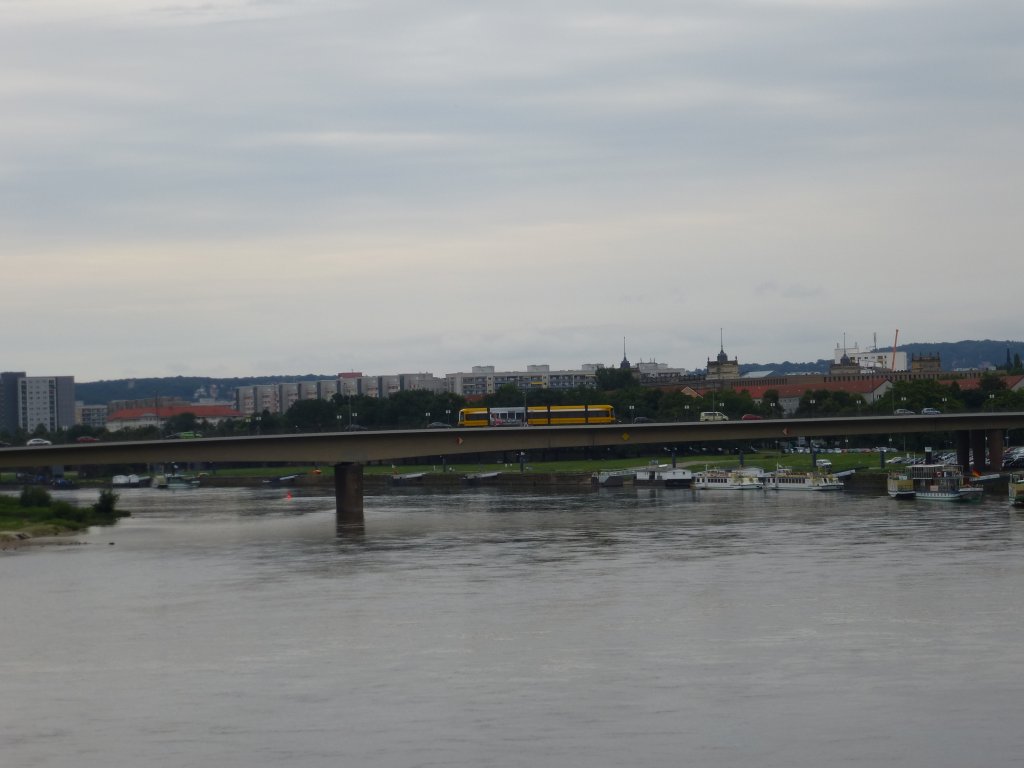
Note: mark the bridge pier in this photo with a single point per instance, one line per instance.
(978, 449)
(987, 446)
(963, 449)
(995, 449)
(348, 496)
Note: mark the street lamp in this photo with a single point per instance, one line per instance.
(811, 402)
(427, 414)
(687, 409)
(448, 416)
(772, 406)
(353, 416)
(992, 401)
(632, 408)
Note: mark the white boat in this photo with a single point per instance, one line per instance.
(175, 482)
(785, 479)
(130, 481)
(1017, 489)
(669, 477)
(610, 478)
(726, 480)
(933, 482)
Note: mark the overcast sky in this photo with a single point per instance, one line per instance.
(247, 187)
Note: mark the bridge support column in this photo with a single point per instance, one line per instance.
(978, 448)
(348, 495)
(995, 450)
(963, 449)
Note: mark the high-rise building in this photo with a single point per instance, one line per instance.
(9, 400)
(29, 402)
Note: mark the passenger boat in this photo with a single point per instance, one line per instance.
(726, 480)
(1017, 489)
(669, 477)
(933, 482)
(785, 479)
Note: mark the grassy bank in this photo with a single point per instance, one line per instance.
(36, 513)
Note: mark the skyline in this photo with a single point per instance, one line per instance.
(233, 188)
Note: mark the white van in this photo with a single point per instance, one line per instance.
(713, 416)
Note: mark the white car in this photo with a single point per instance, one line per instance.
(38, 441)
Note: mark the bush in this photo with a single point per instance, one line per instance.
(104, 511)
(106, 503)
(61, 510)
(34, 496)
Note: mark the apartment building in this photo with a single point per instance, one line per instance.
(485, 380)
(28, 402)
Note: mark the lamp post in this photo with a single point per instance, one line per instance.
(991, 401)
(448, 416)
(811, 402)
(772, 406)
(687, 409)
(632, 408)
(353, 418)
(427, 415)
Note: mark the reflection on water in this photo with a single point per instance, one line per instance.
(648, 628)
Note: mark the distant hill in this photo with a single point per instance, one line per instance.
(954, 355)
(186, 387)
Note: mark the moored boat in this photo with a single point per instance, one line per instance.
(785, 479)
(1017, 489)
(669, 477)
(933, 482)
(726, 480)
(175, 482)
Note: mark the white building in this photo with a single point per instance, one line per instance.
(875, 359)
(484, 380)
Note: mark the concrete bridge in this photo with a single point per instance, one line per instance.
(977, 433)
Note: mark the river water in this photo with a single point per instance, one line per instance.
(622, 627)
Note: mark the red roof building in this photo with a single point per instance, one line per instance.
(131, 418)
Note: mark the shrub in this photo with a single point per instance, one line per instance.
(106, 503)
(34, 496)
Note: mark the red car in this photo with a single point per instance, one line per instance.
(750, 417)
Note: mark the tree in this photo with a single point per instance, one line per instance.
(312, 416)
(614, 378)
